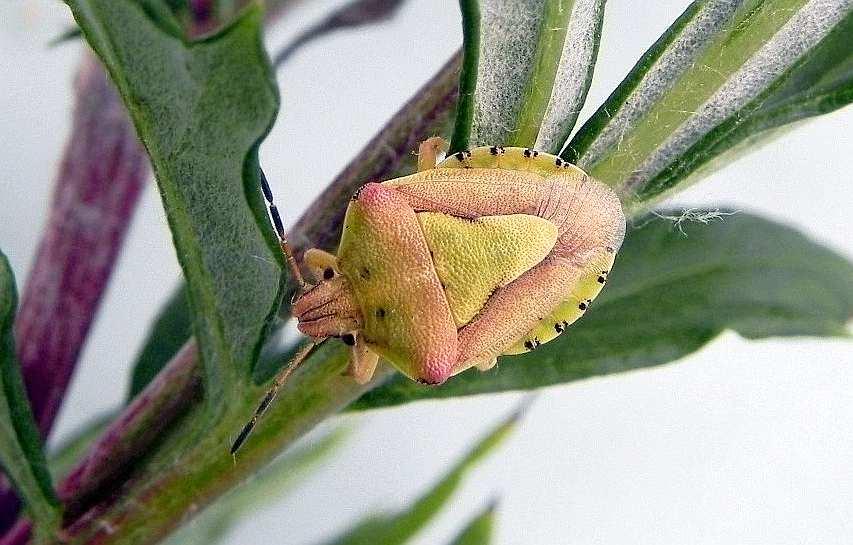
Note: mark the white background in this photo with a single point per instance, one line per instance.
(739, 443)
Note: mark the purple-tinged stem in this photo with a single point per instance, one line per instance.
(127, 439)
(139, 425)
(97, 189)
(99, 182)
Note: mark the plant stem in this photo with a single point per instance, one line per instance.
(192, 466)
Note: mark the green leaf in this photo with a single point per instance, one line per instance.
(21, 453)
(669, 294)
(821, 82)
(282, 475)
(400, 527)
(171, 329)
(722, 72)
(479, 531)
(202, 109)
(527, 70)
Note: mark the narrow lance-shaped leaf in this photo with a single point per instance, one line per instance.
(820, 83)
(527, 70)
(400, 527)
(479, 530)
(667, 296)
(21, 454)
(202, 118)
(723, 71)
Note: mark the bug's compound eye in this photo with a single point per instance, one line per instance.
(328, 273)
(348, 339)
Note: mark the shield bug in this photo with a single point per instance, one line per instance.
(492, 251)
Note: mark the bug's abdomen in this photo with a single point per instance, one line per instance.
(541, 303)
(575, 305)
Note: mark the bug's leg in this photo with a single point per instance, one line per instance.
(431, 151)
(322, 265)
(363, 360)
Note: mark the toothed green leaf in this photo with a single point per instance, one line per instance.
(202, 109)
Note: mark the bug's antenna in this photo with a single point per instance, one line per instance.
(282, 236)
(278, 382)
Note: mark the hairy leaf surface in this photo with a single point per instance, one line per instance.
(527, 69)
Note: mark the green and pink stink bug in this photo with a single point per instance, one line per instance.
(490, 252)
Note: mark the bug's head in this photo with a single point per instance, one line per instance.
(328, 309)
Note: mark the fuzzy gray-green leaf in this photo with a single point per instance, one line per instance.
(202, 109)
(715, 66)
(21, 454)
(820, 83)
(533, 63)
(667, 295)
(400, 527)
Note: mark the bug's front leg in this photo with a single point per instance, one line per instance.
(363, 360)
